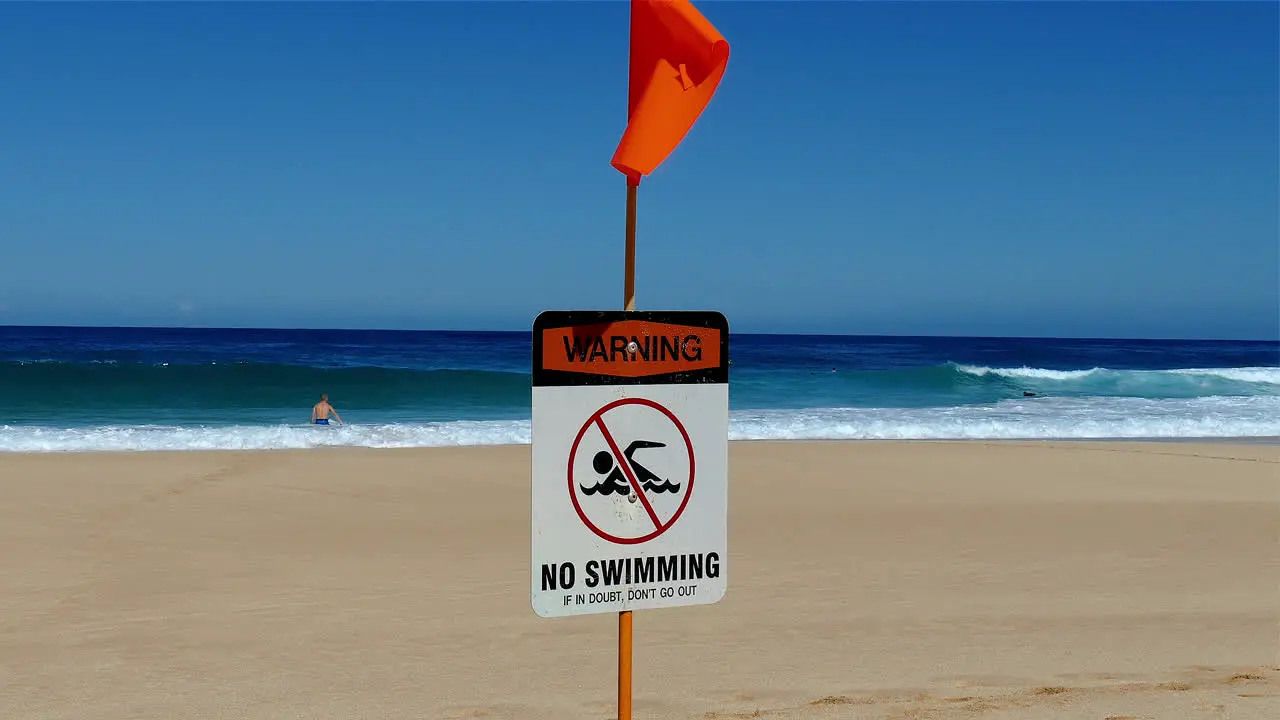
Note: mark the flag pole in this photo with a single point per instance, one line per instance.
(624, 665)
(628, 305)
(629, 283)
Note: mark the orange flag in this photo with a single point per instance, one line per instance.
(677, 60)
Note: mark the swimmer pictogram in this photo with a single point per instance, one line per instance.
(623, 498)
(615, 480)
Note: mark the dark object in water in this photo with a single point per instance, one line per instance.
(1028, 394)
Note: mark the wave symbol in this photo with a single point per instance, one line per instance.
(664, 486)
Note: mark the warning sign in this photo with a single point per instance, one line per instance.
(630, 460)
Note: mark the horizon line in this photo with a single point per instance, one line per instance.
(731, 332)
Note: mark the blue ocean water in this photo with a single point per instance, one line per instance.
(68, 389)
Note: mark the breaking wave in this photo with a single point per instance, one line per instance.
(1032, 418)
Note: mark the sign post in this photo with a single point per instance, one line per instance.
(630, 465)
(629, 305)
(636, 395)
(629, 277)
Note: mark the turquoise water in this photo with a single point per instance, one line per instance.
(140, 389)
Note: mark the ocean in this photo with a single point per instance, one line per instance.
(85, 389)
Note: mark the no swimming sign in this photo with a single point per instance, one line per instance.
(630, 460)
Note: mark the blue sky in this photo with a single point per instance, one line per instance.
(1069, 169)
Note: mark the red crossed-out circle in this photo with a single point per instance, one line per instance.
(597, 419)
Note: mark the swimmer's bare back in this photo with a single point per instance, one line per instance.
(320, 413)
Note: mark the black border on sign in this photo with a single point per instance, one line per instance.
(556, 319)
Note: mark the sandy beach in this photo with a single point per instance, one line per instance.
(869, 580)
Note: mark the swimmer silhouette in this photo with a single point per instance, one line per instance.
(616, 481)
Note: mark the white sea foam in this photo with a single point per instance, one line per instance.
(1264, 375)
(1260, 375)
(1032, 418)
(260, 437)
(1028, 372)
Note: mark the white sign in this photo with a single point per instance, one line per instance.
(630, 461)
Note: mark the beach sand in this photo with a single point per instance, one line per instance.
(867, 580)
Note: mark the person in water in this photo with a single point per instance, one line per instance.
(320, 412)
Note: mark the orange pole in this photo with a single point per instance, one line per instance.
(629, 305)
(624, 665)
(629, 283)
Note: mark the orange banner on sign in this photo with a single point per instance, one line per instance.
(677, 60)
(631, 348)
